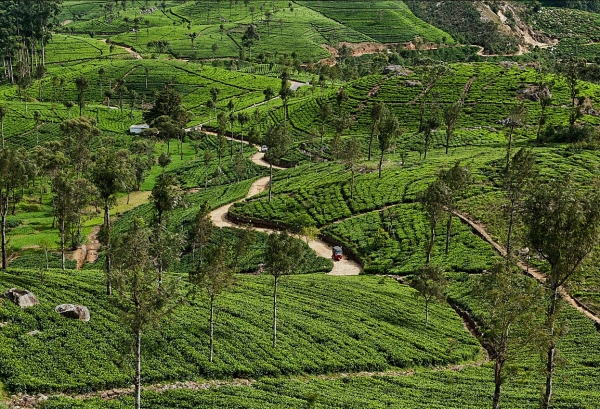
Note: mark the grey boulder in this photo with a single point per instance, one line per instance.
(73, 311)
(23, 298)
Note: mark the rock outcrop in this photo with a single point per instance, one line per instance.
(23, 298)
(79, 312)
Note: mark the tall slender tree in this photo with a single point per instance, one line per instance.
(457, 179)
(15, 173)
(82, 84)
(141, 303)
(283, 256)
(430, 283)
(3, 114)
(433, 201)
(213, 277)
(563, 227)
(451, 115)
(278, 143)
(517, 181)
(110, 173)
(388, 129)
(377, 114)
(511, 305)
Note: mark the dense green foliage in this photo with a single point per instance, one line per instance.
(383, 21)
(317, 334)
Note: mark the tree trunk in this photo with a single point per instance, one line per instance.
(4, 213)
(426, 313)
(430, 244)
(427, 142)
(510, 229)
(370, 144)
(270, 181)
(551, 349)
(539, 130)
(2, 133)
(352, 186)
(508, 148)
(380, 164)
(138, 368)
(62, 243)
(448, 231)
(275, 313)
(448, 134)
(107, 227)
(212, 330)
(497, 382)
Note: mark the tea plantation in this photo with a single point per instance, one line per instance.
(339, 122)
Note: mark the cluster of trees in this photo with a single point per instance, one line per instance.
(145, 298)
(77, 175)
(26, 29)
(562, 227)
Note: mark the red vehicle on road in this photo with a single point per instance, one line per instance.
(337, 253)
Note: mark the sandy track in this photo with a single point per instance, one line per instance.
(219, 218)
(88, 253)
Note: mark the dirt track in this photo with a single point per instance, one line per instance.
(219, 218)
(541, 277)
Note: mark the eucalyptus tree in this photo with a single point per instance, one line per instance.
(201, 231)
(69, 105)
(16, 171)
(269, 94)
(110, 173)
(352, 154)
(511, 305)
(378, 112)
(515, 119)
(214, 95)
(70, 197)
(430, 283)
(388, 129)
(82, 84)
(324, 113)
(243, 118)
(101, 72)
(37, 116)
(457, 179)
(283, 255)
(285, 93)
(517, 180)
(141, 303)
(278, 144)
(563, 227)
(433, 201)
(451, 116)
(142, 154)
(166, 196)
(213, 278)
(79, 134)
(571, 70)
(3, 114)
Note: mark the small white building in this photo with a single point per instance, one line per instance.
(137, 129)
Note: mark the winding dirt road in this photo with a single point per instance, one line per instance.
(219, 218)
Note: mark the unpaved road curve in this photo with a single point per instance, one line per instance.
(343, 267)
